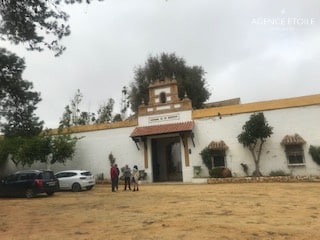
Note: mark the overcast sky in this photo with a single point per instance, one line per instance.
(253, 49)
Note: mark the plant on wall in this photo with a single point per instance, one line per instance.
(315, 153)
(206, 155)
(220, 172)
(245, 168)
(216, 172)
(254, 134)
(112, 159)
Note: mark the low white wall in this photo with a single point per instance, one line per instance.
(301, 120)
(93, 150)
(92, 153)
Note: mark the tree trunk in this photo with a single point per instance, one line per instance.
(256, 172)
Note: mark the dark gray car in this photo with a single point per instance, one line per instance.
(29, 183)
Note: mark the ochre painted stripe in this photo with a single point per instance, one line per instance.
(258, 106)
(211, 112)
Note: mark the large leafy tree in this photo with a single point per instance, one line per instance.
(253, 136)
(22, 139)
(18, 101)
(38, 24)
(45, 148)
(190, 79)
(62, 146)
(29, 21)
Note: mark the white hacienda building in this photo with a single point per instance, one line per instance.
(168, 136)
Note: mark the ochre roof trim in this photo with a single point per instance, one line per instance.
(162, 129)
(292, 140)
(212, 112)
(96, 127)
(257, 106)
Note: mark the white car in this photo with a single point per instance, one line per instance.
(75, 180)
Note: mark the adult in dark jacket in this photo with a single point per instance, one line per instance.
(127, 175)
(114, 177)
(117, 179)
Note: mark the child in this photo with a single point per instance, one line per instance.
(135, 178)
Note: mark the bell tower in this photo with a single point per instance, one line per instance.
(165, 116)
(163, 98)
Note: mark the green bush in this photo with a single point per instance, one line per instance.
(278, 173)
(220, 172)
(217, 172)
(206, 155)
(315, 153)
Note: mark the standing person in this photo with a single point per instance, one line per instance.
(114, 176)
(127, 175)
(117, 178)
(135, 178)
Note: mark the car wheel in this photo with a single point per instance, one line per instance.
(50, 193)
(76, 187)
(89, 188)
(29, 193)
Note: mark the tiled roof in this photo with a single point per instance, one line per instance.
(295, 139)
(218, 145)
(162, 129)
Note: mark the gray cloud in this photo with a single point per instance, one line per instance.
(243, 54)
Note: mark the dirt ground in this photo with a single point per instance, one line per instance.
(168, 211)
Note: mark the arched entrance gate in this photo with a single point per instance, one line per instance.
(164, 125)
(166, 159)
(169, 149)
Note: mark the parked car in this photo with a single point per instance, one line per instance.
(75, 180)
(29, 183)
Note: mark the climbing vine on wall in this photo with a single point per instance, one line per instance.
(206, 155)
(315, 153)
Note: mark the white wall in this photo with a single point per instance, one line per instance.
(93, 150)
(301, 120)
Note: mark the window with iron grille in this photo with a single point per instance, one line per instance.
(295, 154)
(218, 158)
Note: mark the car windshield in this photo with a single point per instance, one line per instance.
(24, 176)
(86, 173)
